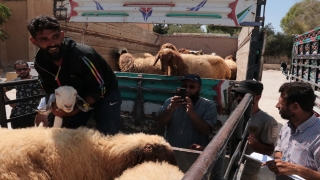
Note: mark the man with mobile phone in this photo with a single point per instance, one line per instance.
(188, 120)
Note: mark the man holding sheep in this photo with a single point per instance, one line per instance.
(61, 61)
(188, 120)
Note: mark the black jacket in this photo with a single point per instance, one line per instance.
(74, 71)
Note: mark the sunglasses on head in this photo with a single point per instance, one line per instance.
(22, 69)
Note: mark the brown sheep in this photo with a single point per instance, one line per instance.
(231, 62)
(187, 51)
(206, 66)
(168, 46)
(55, 153)
(139, 63)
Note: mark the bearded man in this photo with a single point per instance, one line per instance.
(188, 121)
(27, 90)
(61, 61)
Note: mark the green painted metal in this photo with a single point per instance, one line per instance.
(104, 14)
(157, 88)
(218, 16)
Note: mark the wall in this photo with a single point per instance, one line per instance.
(276, 60)
(222, 46)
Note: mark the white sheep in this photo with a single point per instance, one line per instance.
(152, 170)
(231, 62)
(65, 98)
(60, 153)
(139, 63)
(206, 66)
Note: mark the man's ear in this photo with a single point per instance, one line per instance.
(34, 41)
(295, 106)
(62, 34)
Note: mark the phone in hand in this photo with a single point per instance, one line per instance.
(181, 92)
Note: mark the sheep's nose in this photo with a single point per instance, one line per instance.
(68, 105)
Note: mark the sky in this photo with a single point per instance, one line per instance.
(276, 10)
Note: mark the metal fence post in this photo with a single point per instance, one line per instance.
(3, 115)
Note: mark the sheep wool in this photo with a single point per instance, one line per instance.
(231, 62)
(206, 66)
(152, 170)
(58, 153)
(139, 63)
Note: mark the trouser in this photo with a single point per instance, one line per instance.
(251, 170)
(23, 122)
(106, 112)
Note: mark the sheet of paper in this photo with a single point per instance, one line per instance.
(264, 158)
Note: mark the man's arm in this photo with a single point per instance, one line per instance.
(260, 147)
(280, 167)
(199, 123)
(164, 117)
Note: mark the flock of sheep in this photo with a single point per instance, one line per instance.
(173, 62)
(59, 153)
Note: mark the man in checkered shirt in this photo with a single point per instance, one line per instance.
(297, 150)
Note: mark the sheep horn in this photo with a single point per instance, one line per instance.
(82, 105)
(47, 109)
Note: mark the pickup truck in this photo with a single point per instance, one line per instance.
(109, 25)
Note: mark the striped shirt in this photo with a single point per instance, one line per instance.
(180, 131)
(302, 146)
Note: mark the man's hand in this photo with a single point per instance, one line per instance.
(176, 102)
(252, 140)
(189, 106)
(197, 147)
(280, 167)
(59, 112)
(40, 118)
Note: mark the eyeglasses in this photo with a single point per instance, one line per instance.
(22, 69)
(188, 86)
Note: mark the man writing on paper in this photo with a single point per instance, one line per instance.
(297, 151)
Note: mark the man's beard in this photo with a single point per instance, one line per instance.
(286, 115)
(24, 77)
(195, 97)
(51, 56)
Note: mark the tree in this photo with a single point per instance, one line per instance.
(184, 28)
(222, 29)
(301, 17)
(5, 14)
(160, 28)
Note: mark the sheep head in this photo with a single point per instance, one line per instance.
(231, 57)
(168, 46)
(65, 98)
(165, 56)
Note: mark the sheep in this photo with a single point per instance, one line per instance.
(168, 46)
(65, 98)
(206, 66)
(60, 153)
(139, 63)
(187, 51)
(231, 62)
(152, 170)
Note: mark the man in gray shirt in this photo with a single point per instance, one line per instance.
(188, 120)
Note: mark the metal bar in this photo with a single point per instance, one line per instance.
(3, 115)
(17, 117)
(24, 99)
(210, 154)
(13, 83)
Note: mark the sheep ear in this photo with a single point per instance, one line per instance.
(156, 59)
(82, 105)
(47, 109)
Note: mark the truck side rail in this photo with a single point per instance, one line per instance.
(3, 115)
(203, 166)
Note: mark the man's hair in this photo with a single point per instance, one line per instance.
(40, 23)
(299, 92)
(20, 62)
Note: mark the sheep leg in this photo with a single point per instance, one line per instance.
(57, 122)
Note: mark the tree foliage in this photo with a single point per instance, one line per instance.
(5, 14)
(160, 28)
(223, 29)
(301, 17)
(184, 28)
(277, 43)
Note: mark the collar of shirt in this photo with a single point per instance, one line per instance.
(302, 127)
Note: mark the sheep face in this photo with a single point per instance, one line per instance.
(169, 46)
(66, 97)
(165, 57)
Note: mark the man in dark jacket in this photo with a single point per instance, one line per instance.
(61, 61)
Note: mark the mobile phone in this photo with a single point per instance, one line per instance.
(181, 92)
